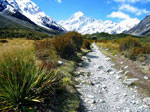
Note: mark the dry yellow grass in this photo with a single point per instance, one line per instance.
(109, 45)
(15, 45)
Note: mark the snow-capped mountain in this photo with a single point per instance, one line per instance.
(88, 25)
(31, 11)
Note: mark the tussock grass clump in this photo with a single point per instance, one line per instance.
(68, 44)
(21, 80)
(129, 43)
(45, 49)
(136, 51)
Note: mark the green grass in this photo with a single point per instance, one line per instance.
(21, 79)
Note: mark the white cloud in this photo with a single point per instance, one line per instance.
(59, 1)
(119, 14)
(108, 2)
(127, 21)
(132, 9)
(132, 1)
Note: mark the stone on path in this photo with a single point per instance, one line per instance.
(130, 81)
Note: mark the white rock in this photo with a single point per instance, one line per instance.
(113, 64)
(145, 77)
(84, 57)
(90, 96)
(101, 101)
(126, 72)
(125, 67)
(90, 101)
(130, 81)
(146, 100)
(119, 72)
(118, 77)
(107, 59)
(111, 73)
(60, 62)
(121, 62)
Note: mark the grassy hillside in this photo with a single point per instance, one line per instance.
(11, 27)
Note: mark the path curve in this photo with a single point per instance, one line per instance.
(101, 88)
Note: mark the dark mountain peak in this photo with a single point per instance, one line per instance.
(148, 16)
(142, 29)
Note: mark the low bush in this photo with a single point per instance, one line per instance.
(68, 44)
(136, 51)
(128, 43)
(3, 41)
(86, 44)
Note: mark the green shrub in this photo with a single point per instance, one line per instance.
(86, 44)
(21, 80)
(128, 43)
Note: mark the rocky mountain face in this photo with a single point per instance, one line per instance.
(88, 25)
(28, 11)
(142, 29)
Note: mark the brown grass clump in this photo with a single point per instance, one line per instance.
(86, 44)
(136, 51)
(45, 49)
(128, 43)
(68, 44)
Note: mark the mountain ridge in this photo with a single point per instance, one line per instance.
(141, 29)
(31, 11)
(88, 25)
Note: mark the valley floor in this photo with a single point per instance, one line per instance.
(103, 88)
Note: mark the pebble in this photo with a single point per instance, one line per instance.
(104, 86)
(118, 77)
(119, 72)
(101, 101)
(126, 72)
(146, 100)
(90, 96)
(125, 67)
(107, 59)
(111, 73)
(130, 81)
(100, 67)
(121, 62)
(145, 77)
(109, 70)
(60, 62)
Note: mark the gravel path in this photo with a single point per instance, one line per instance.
(101, 87)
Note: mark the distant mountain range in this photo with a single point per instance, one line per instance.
(142, 29)
(27, 14)
(88, 25)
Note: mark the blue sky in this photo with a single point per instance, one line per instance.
(115, 10)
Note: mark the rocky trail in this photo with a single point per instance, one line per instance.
(103, 88)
